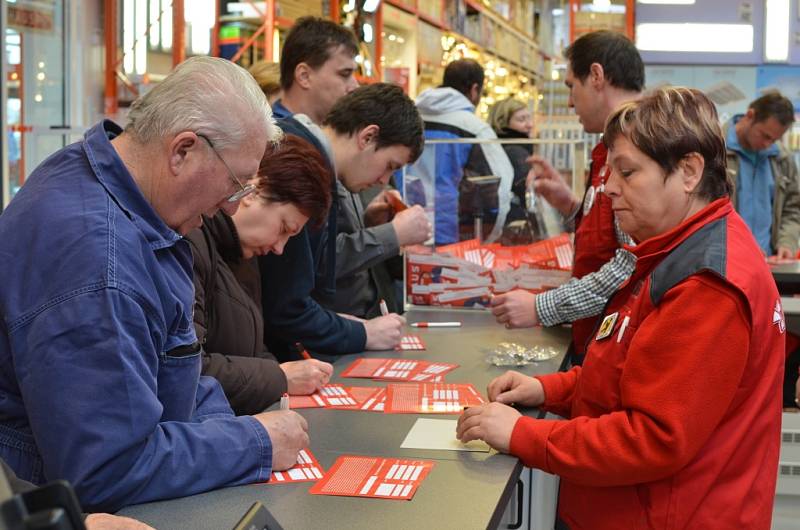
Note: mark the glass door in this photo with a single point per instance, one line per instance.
(35, 111)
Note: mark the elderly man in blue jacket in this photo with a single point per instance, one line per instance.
(100, 381)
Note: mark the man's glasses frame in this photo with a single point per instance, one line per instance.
(244, 190)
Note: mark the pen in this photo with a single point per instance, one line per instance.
(302, 351)
(436, 324)
(285, 401)
(397, 204)
(384, 308)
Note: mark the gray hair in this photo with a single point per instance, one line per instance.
(206, 95)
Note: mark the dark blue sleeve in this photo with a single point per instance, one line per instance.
(98, 395)
(289, 311)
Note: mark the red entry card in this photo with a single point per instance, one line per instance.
(329, 396)
(433, 372)
(307, 468)
(411, 342)
(362, 395)
(430, 398)
(375, 403)
(397, 369)
(369, 368)
(383, 478)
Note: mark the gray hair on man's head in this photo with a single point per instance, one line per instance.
(205, 95)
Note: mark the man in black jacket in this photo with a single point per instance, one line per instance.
(317, 69)
(369, 134)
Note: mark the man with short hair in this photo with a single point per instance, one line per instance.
(317, 66)
(604, 70)
(449, 114)
(766, 181)
(102, 384)
(766, 193)
(369, 134)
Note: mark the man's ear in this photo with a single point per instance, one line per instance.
(367, 136)
(597, 76)
(475, 93)
(692, 167)
(179, 148)
(302, 75)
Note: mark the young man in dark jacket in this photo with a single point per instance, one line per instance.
(317, 69)
(369, 134)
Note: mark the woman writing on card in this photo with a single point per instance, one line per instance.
(292, 186)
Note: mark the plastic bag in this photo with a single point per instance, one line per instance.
(513, 354)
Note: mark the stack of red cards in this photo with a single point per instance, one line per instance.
(384, 478)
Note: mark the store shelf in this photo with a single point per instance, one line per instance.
(498, 18)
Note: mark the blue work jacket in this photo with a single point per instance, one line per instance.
(99, 363)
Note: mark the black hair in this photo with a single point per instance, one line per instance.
(386, 106)
(312, 40)
(773, 105)
(621, 62)
(462, 75)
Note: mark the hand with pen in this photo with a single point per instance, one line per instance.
(494, 422)
(307, 376)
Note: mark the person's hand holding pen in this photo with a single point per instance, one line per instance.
(494, 422)
(381, 209)
(306, 376)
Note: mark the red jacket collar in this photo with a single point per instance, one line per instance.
(657, 247)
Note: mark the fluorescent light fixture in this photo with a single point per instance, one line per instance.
(667, 2)
(601, 4)
(367, 29)
(776, 45)
(128, 35)
(140, 47)
(690, 37)
(370, 6)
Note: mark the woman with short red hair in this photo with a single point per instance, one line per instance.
(293, 186)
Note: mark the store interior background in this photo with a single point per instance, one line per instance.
(69, 63)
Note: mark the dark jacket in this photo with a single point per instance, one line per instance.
(517, 155)
(290, 313)
(228, 320)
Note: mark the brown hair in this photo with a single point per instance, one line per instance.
(268, 76)
(386, 106)
(312, 40)
(669, 124)
(294, 172)
(773, 105)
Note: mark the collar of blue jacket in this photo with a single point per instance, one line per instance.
(105, 162)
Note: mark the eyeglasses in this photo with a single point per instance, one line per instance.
(244, 191)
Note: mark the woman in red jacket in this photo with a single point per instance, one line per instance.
(673, 420)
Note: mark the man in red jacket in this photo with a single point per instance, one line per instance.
(604, 70)
(673, 421)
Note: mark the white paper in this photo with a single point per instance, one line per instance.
(439, 435)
